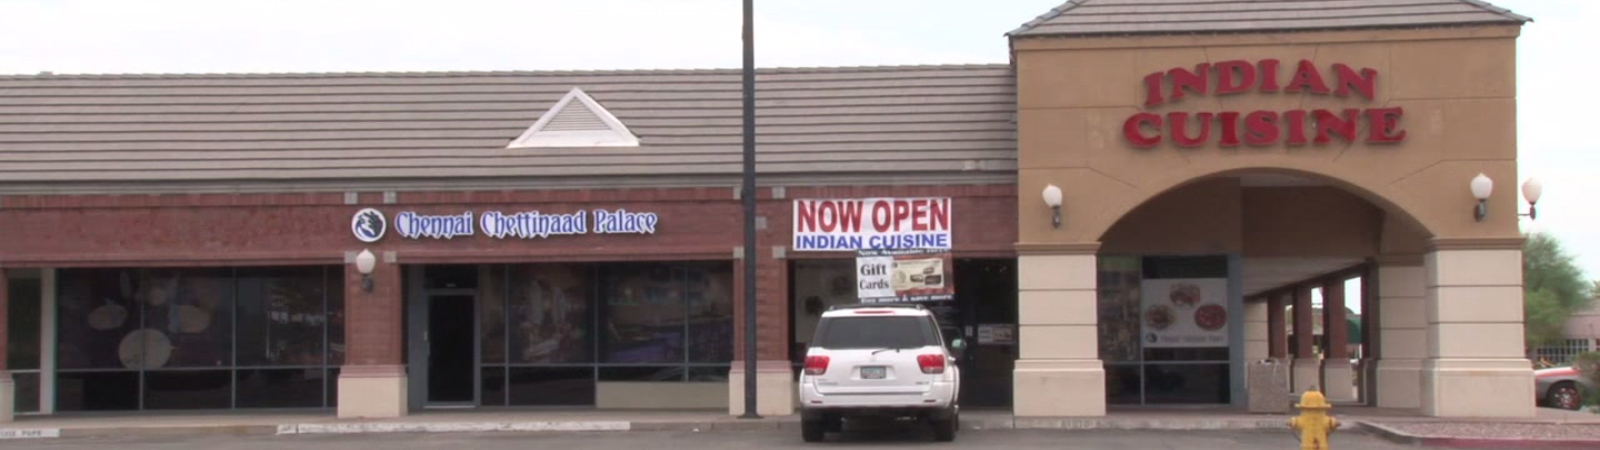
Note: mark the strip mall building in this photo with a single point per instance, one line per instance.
(573, 238)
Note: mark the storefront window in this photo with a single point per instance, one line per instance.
(281, 317)
(550, 314)
(1142, 367)
(710, 302)
(643, 320)
(548, 332)
(213, 338)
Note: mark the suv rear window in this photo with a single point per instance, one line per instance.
(874, 332)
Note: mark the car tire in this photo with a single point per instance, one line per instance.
(812, 430)
(833, 424)
(1564, 395)
(944, 430)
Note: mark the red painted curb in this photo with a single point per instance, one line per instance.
(1507, 443)
(1399, 437)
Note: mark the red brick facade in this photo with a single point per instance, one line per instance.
(262, 229)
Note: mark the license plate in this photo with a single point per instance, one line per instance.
(873, 373)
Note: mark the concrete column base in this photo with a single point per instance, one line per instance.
(1307, 373)
(1399, 383)
(1340, 378)
(372, 392)
(1059, 388)
(8, 398)
(1478, 388)
(775, 389)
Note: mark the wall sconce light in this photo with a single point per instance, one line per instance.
(1531, 190)
(364, 263)
(1482, 187)
(1052, 198)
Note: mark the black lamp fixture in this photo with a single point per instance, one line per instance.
(364, 264)
(1052, 198)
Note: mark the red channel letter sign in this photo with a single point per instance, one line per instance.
(1261, 128)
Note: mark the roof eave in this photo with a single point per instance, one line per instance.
(1498, 10)
(1046, 17)
(1265, 30)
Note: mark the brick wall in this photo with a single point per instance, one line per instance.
(256, 229)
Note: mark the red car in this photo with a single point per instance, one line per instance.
(1559, 387)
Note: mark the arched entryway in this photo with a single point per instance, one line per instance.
(1188, 282)
(1263, 252)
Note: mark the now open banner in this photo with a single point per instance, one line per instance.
(831, 225)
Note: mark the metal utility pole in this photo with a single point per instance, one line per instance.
(748, 194)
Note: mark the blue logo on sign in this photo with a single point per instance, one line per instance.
(368, 225)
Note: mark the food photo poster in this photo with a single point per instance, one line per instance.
(1185, 312)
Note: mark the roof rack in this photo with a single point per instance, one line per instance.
(917, 306)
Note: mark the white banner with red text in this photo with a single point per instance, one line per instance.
(831, 225)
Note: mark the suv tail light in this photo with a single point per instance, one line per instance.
(931, 363)
(816, 365)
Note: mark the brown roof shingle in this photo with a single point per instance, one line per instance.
(109, 132)
(1099, 17)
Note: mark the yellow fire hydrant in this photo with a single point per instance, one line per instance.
(1313, 423)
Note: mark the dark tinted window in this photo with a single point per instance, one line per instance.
(875, 332)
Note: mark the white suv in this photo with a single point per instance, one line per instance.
(879, 360)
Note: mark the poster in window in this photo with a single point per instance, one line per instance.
(904, 275)
(549, 314)
(1185, 312)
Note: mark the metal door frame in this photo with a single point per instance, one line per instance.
(417, 326)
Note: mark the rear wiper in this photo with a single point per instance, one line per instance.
(896, 350)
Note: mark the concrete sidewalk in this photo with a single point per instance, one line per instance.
(1399, 426)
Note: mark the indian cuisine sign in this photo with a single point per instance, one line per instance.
(1185, 312)
(903, 275)
(1262, 128)
(871, 223)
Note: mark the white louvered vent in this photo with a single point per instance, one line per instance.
(576, 121)
(576, 117)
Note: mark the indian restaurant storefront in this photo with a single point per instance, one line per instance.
(1136, 218)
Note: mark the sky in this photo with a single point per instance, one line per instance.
(118, 36)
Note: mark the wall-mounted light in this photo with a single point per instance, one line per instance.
(364, 263)
(1531, 190)
(1052, 198)
(1482, 187)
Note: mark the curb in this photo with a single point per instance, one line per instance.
(1400, 437)
(726, 425)
(460, 427)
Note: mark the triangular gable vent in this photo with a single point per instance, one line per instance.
(576, 121)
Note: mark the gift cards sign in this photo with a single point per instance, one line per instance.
(904, 275)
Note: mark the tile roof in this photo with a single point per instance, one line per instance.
(1092, 17)
(120, 130)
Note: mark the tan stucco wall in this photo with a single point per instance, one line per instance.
(648, 395)
(1218, 215)
(1403, 203)
(1457, 88)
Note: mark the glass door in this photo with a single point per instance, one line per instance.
(24, 290)
(452, 370)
